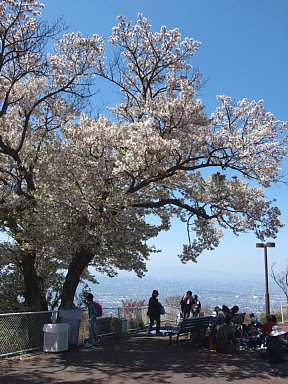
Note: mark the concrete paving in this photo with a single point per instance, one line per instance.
(140, 359)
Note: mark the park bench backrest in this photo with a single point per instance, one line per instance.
(238, 318)
(195, 323)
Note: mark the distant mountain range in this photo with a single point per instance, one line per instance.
(179, 271)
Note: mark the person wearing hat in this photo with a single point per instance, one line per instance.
(276, 350)
(154, 312)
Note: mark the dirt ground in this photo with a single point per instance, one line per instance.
(140, 359)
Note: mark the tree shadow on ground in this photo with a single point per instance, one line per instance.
(140, 359)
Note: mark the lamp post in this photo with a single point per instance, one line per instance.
(265, 246)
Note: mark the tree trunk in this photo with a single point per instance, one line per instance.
(76, 267)
(34, 298)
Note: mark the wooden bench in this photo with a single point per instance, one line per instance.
(193, 325)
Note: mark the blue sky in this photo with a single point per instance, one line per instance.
(243, 54)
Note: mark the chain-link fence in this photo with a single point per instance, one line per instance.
(21, 332)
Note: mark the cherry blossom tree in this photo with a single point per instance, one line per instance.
(84, 190)
(38, 93)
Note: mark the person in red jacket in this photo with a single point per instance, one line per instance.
(268, 325)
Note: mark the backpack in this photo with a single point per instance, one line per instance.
(99, 309)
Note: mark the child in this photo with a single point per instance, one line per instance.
(254, 337)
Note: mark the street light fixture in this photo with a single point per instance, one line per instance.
(265, 246)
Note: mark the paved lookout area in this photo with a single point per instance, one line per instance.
(140, 359)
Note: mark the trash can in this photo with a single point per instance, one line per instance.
(120, 327)
(55, 337)
(72, 317)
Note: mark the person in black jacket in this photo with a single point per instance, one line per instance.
(154, 312)
(186, 304)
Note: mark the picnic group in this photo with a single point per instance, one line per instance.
(223, 335)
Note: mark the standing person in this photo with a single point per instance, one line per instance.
(196, 306)
(186, 304)
(92, 314)
(154, 312)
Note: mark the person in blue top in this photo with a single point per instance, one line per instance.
(92, 314)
